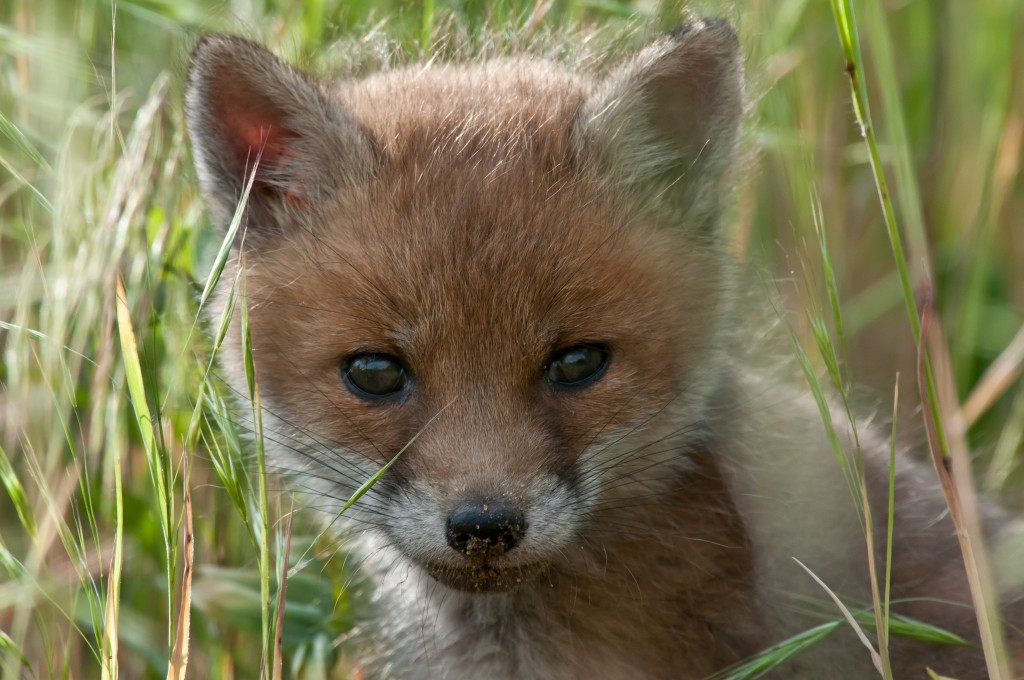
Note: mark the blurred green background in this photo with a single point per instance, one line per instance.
(96, 181)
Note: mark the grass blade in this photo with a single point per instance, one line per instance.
(941, 409)
(16, 493)
(179, 655)
(875, 658)
(778, 654)
(261, 480)
(155, 456)
(109, 648)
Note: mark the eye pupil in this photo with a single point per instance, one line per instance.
(578, 366)
(374, 375)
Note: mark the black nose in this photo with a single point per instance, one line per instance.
(484, 528)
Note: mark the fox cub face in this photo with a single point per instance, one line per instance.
(505, 270)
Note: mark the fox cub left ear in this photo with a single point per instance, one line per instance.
(252, 116)
(667, 121)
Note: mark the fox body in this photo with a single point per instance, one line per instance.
(512, 273)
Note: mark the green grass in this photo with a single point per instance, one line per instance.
(102, 403)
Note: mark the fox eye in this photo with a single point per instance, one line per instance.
(372, 376)
(578, 366)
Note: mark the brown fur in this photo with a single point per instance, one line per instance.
(472, 220)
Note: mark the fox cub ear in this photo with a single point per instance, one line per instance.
(666, 121)
(249, 112)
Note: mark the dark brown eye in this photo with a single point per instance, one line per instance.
(372, 376)
(578, 366)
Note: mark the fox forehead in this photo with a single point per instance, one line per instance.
(479, 264)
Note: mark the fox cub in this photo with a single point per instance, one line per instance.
(511, 273)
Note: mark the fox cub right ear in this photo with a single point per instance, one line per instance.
(667, 120)
(253, 117)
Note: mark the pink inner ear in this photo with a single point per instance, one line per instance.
(254, 135)
(257, 137)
